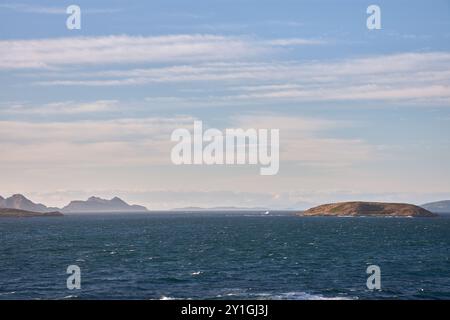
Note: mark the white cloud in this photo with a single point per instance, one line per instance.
(302, 140)
(100, 143)
(295, 42)
(27, 8)
(125, 49)
(63, 108)
(88, 131)
(432, 66)
(122, 49)
(361, 92)
(147, 141)
(135, 153)
(410, 77)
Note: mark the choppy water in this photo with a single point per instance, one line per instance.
(220, 256)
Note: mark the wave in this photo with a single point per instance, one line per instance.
(167, 298)
(294, 295)
(301, 296)
(242, 295)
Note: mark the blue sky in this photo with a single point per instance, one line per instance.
(363, 114)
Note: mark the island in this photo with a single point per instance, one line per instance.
(17, 213)
(368, 209)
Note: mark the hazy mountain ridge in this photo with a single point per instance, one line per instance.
(96, 204)
(226, 208)
(93, 204)
(18, 201)
(438, 206)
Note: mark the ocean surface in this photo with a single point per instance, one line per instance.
(223, 256)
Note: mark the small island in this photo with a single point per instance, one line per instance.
(17, 213)
(368, 209)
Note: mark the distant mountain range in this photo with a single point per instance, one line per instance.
(93, 204)
(438, 206)
(18, 201)
(221, 209)
(96, 204)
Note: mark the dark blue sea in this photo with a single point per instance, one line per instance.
(224, 256)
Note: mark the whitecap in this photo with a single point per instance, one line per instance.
(294, 295)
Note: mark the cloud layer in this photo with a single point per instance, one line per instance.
(123, 49)
(147, 141)
(422, 78)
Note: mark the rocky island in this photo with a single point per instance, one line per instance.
(17, 213)
(368, 209)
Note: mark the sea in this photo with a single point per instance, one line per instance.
(223, 255)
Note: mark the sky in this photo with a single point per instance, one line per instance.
(363, 114)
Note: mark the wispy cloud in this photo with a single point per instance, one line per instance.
(62, 108)
(295, 42)
(421, 78)
(147, 141)
(304, 140)
(124, 49)
(28, 8)
(90, 143)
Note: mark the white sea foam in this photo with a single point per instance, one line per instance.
(303, 296)
(294, 295)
